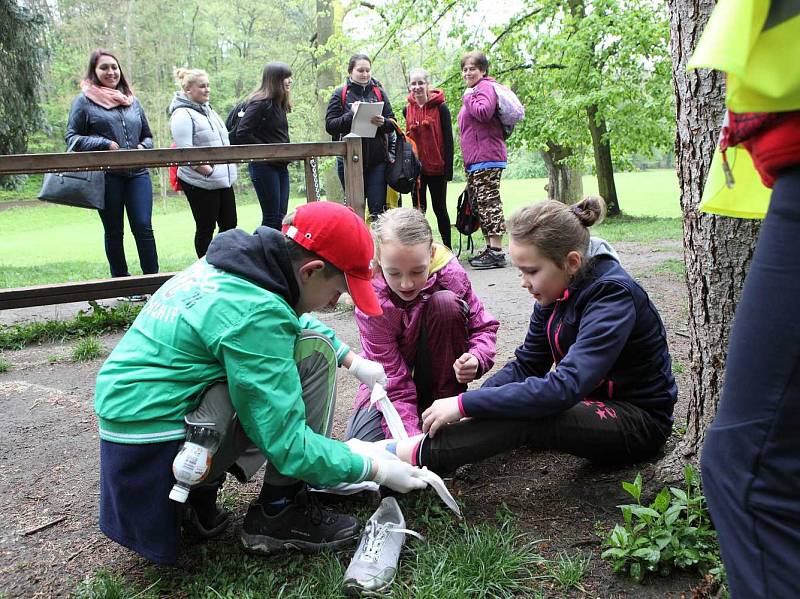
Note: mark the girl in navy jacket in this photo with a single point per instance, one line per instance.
(609, 397)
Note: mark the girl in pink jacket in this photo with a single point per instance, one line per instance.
(434, 336)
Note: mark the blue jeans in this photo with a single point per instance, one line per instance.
(134, 195)
(751, 453)
(272, 188)
(374, 186)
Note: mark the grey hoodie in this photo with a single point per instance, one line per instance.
(600, 247)
(197, 125)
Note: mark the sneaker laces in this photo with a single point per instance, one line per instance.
(315, 512)
(376, 535)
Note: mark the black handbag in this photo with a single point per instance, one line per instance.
(81, 189)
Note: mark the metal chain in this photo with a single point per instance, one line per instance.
(315, 178)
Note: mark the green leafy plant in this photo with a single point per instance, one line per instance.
(4, 365)
(674, 531)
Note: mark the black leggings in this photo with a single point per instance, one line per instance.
(612, 432)
(209, 208)
(438, 187)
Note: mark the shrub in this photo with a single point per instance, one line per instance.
(674, 531)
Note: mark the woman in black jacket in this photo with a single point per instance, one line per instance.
(107, 116)
(264, 122)
(361, 87)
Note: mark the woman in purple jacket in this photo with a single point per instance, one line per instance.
(609, 397)
(484, 151)
(434, 336)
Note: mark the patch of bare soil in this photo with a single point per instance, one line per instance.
(49, 538)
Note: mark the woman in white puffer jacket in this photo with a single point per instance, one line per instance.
(209, 189)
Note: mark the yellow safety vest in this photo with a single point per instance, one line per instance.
(757, 44)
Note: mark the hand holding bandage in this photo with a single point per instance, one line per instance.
(367, 371)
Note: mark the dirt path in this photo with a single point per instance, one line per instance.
(49, 454)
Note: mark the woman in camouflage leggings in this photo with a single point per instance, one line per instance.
(484, 150)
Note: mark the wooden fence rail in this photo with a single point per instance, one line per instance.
(43, 295)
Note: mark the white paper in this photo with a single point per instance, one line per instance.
(364, 111)
(386, 407)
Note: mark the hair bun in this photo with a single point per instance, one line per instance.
(590, 211)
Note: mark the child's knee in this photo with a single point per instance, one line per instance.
(446, 305)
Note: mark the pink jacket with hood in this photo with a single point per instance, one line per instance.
(481, 130)
(391, 338)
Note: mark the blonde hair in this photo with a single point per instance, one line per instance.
(405, 226)
(556, 229)
(186, 77)
(425, 75)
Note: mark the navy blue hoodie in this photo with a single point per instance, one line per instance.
(607, 341)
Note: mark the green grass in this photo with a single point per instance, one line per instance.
(643, 193)
(568, 570)
(676, 267)
(98, 320)
(87, 349)
(4, 365)
(48, 244)
(490, 559)
(29, 190)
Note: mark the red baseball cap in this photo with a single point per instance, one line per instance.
(337, 235)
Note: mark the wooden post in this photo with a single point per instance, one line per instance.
(354, 174)
(310, 195)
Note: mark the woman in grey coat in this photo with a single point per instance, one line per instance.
(209, 189)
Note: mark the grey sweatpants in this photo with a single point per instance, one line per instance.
(316, 365)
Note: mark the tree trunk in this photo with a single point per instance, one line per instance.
(564, 183)
(603, 165)
(717, 250)
(327, 77)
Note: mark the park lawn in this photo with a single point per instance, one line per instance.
(47, 244)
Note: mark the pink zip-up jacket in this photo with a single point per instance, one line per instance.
(391, 338)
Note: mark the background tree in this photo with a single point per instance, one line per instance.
(717, 250)
(593, 76)
(22, 55)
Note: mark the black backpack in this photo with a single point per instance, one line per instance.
(403, 166)
(234, 116)
(467, 220)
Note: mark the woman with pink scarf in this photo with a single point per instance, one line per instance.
(107, 116)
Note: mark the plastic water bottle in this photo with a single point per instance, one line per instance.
(193, 462)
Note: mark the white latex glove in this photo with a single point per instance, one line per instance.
(367, 371)
(398, 476)
(373, 451)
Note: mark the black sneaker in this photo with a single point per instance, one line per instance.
(488, 258)
(301, 525)
(197, 530)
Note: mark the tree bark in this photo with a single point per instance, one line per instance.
(603, 165)
(327, 77)
(564, 182)
(717, 250)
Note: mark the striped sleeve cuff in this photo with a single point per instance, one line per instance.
(461, 405)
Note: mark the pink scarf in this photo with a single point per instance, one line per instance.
(105, 96)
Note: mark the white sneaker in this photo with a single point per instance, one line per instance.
(374, 565)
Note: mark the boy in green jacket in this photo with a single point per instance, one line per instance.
(230, 338)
